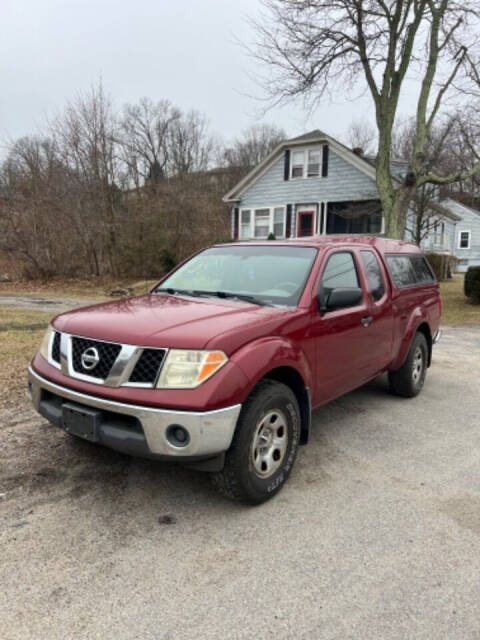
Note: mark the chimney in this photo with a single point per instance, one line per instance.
(358, 151)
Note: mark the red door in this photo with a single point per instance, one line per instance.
(305, 223)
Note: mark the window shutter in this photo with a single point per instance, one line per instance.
(288, 221)
(325, 161)
(322, 217)
(286, 166)
(235, 223)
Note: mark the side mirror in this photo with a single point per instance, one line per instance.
(341, 298)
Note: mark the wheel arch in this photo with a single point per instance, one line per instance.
(421, 326)
(425, 329)
(292, 379)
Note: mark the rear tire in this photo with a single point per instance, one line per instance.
(408, 381)
(264, 445)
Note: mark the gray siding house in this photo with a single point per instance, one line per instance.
(314, 185)
(308, 185)
(465, 236)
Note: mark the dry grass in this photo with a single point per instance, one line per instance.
(74, 288)
(20, 335)
(457, 309)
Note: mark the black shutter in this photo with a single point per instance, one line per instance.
(325, 161)
(322, 214)
(235, 223)
(288, 221)
(286, 166)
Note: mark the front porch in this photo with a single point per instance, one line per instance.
(308, 219)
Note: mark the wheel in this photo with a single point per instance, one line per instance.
(409, 379)
(264, 445)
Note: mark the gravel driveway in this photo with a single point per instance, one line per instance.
(376, 534)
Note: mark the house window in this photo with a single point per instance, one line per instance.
(262, 223)
(464, 240)
(306, 163)
(298, 161)
(245, 224)
(259, 223)
(279, 222)
(313, 168)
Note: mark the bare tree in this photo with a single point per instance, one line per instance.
(190, 146)
(315, 46)
(253, 146)
(144, 136)
(361, 136)
(86, 137)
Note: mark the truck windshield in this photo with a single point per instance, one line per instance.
(268, 275)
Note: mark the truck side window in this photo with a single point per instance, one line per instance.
(339, 272)
(422, 270)
(402, 271)
(374, 274)
(409, 270)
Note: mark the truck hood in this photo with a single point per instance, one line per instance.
(166, 321)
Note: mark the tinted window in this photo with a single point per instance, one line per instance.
(374, 274)
(422, 270)
(408, 271)
(340, 272)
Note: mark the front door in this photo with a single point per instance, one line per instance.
(342, 362)
(305, 223)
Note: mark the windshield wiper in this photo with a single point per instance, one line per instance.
(218, 294)
(242, 296)
(183, 292)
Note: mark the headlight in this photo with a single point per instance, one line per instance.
(44, 347)
(188, 369)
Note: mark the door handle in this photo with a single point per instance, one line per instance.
(366, 321)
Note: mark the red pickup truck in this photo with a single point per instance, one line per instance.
(221, 364)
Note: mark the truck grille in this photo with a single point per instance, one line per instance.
(107, 352)
(148, 366)
(56, 347)
(107, 363)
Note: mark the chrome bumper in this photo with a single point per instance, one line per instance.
(437, 336)
(210, 432)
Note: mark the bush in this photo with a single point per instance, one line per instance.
(471, 284)
(271, 236)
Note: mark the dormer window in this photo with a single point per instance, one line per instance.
(313, 168)
(298, 163)
(306, 163)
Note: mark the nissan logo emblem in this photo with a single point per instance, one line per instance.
(90, 358)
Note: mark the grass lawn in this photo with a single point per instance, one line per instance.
(457, 309)
(20, 336)
(91, 288)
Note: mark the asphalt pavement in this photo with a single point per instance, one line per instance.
(375, 536)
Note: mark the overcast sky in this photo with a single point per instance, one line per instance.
(183, 50)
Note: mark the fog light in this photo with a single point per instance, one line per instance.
(177, 435)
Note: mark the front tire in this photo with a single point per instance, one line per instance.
(264, 445)
(408, 381)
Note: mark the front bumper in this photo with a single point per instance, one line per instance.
(140, 430)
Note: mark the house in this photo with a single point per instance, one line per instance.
(464, 239)
(308, 185)
(314, 185)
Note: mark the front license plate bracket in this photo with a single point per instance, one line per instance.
(80, 421)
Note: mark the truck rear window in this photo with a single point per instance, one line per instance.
(409, 270)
